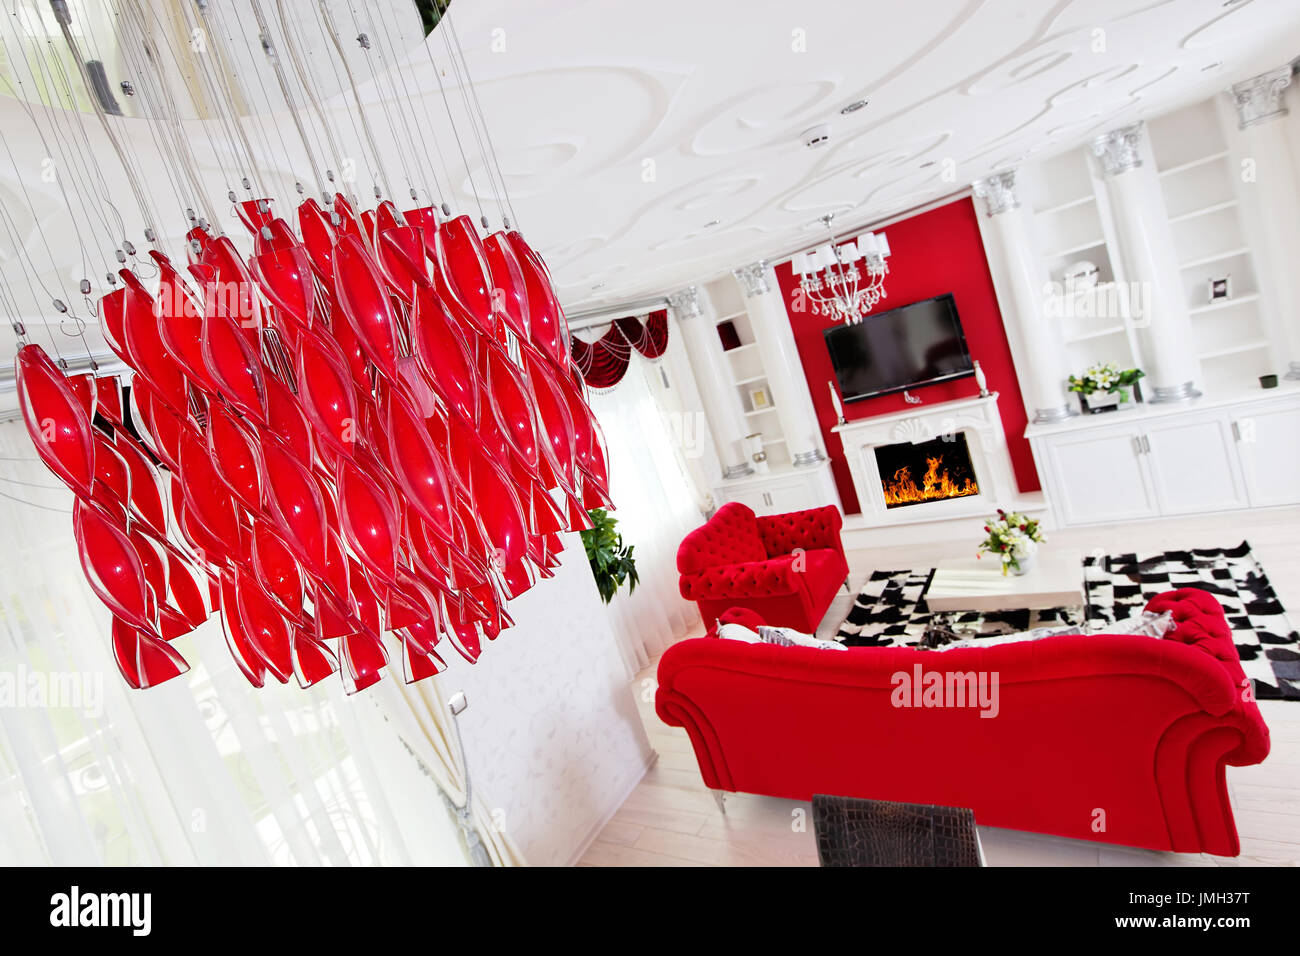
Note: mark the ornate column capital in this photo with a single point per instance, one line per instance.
(1259, 99)
(1119, 150)
(998, 192)
(685, 302)
(753, 278)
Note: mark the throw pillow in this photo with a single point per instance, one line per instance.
(786, 637)
(1037, 634)
(1146, 623)
(738, 632)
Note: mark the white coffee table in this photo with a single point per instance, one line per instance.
(971, 584)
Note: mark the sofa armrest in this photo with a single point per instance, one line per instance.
(807, 529)
(775, 576)
(1199, 622)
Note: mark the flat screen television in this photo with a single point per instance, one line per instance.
(915, 345)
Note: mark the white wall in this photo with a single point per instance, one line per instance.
(552, 735)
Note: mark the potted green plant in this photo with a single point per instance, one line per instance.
(1104, 387)
(1013, 538)
(610, 559)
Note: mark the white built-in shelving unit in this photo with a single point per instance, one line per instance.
(746, 367)
(1199, 180)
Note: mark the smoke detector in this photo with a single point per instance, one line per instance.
(817, 136)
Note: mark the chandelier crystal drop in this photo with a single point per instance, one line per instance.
(843, 280)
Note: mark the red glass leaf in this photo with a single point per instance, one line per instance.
(233, 294)
(108, 398)
(246, 656)
(268, 632)
(369, 518)
(464, 636)
(512, 405)
(207, 495)
(111, 565)
(445, 357)
(417, 466)
(296, 506)
(546, 328)
(186, 591)
(425, 219)
(400, 253)
(180, 324)
(144, 661)
(364, 301)
(146, 498)
(286, 420)
(347, 225)
(157, 422)
(277, 568)
(83, 388)
(112, 485)
(254, 214)
(418, 663)
(312, 660)
(511, 297)
(284, 275)
(363, 657)
(326, 392)
(556, 422)
(465, 269)
(234, 453)
(112, 318)
(57, 423)
(281, 237)
(234, 364)
(317, 238)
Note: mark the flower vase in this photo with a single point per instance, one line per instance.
(1024, 563)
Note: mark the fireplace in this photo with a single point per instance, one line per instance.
(934, 470)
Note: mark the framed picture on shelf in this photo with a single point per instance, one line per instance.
(759, 399)
(1220, 288)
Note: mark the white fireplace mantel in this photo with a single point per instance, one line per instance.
(985, 441)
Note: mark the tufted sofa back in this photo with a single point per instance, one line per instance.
(729, 537)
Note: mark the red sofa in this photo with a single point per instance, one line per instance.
(1117, 739)
(786, 568)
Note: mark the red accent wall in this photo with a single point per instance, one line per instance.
(931, 253)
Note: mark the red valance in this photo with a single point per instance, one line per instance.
(603, 363)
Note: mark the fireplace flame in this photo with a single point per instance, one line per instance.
(935, 486)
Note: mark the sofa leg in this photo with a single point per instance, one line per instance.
(720, 798)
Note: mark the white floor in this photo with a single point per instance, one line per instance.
(672, 820)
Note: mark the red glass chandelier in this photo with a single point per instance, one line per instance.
(361, 439)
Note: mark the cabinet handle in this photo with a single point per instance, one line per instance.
(767, 498)
(1137, 444)
(1236, 431)
(1146, 445)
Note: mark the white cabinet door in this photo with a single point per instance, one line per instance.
(754, 498)
(1268, 441)
(1101, 476)
(1193, 464)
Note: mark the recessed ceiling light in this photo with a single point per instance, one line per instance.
(853, 107)
(598, 285)
(1211, 66)
(927, 164)
(711, 223)
(819, 135)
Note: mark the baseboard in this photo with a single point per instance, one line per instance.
(626, 791)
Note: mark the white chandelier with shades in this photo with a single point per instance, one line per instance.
(844, 280)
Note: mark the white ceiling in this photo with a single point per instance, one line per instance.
(624, 130)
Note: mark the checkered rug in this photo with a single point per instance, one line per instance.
(891, 608)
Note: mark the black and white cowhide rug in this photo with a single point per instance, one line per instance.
(891, 610)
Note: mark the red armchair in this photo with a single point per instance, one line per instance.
(786, 568)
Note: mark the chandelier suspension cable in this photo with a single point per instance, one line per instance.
(142, 9)
(402, 66)
(469, 115)
(272, 54)
(372, 162)
(64, 19)
(401, 100)
(246, 89)
(478, 106)
(223, 94)
(381, 176)
(460, 146)
(170, 139)
(15, 237)
(289, 30)
(366, 44)
(92, 170)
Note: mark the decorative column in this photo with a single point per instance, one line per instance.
(1147, 248)
(699, 325)
(776, 348)
(1041, 369)
(1272, 194)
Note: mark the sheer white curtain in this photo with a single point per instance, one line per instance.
(203, 769)
(655, 506)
